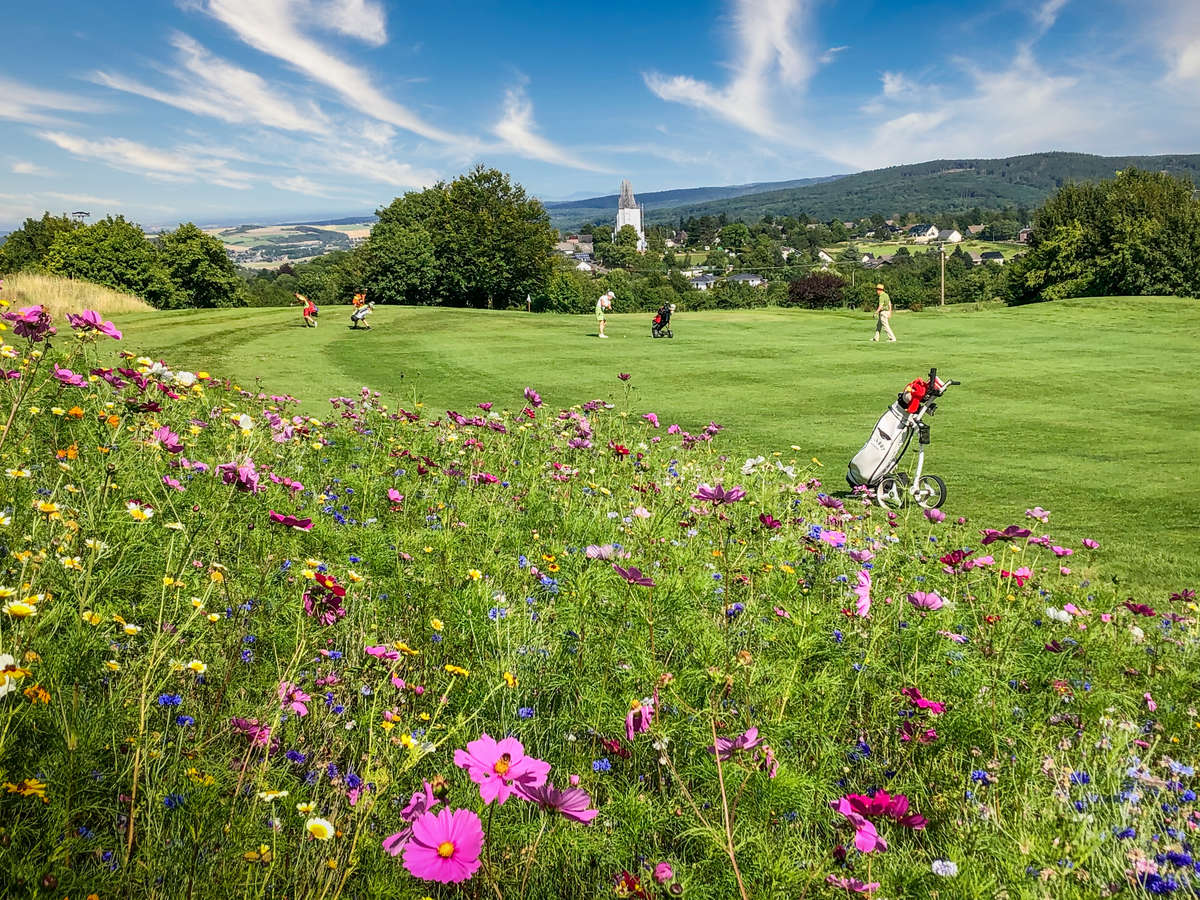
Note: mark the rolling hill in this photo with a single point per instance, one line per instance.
(570, 214)
(939, 186)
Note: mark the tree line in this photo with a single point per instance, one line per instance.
(480, 241)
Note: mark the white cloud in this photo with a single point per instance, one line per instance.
(829, 55)
(210, 86)
(29, 168)
(164, 165)
(361, 19)
(896, 84)
(1047, 14)
(298, 184)
(273, 27)
(519, 132)
(24, 103)
(768, 51)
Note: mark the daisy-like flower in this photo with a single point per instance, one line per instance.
(321, 829)
(269, 796)
(445, 846)
(198, 667)
(10, 674)
(139, 512)
(305, 808)
(474, 574)
(20, 609)
(497, 766)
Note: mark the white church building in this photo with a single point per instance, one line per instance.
(629, 212)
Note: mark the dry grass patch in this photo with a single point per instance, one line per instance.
(64, 295)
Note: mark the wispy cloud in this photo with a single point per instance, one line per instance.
(139, 159)
(1047, 14)
(519, 132)
(274, 27)
(210, 86)
(298, 184)
(29, 168)
(362, 19)
(831, 54)
(24, 103)
(768, 49)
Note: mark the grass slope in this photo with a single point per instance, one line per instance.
(65, 295)
(1088, 407)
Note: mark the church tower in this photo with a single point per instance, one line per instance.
(630, 213)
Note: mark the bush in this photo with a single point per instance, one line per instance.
(819, 290)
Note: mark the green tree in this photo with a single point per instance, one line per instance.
(626, 237)
(400, 265)
(26, 247)
(491, 242)
(116, 254)
(201, 269)
(735, 236)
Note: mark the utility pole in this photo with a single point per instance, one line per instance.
(942, 254)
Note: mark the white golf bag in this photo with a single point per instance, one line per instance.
(880, 455)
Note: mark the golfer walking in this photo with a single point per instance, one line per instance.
(602, 306)
(883, 313)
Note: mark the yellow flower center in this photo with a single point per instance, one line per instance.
(445, 849)
(503, 764)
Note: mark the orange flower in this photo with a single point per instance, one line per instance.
(75, 412)
(36, 694)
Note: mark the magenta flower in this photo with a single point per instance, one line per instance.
(290, 521)
(866, 838)
(383, 651)
(1090, 544)
(862, 590)
(663, 872)
(395, 496)
(444, 846)
(935, 515)
(914, 697)
(572, 803)
(1042, 515)
(258, 735)
(166, 438)
(883, 805)
(950, 635)
(1062, 551)
(497, 766)
(769, 521)
(910, 732)
(651, 418)
(534, 398)
(31, 322)
(69, 378)
(716, 494)
(990, 535)
(422, 802)
(861, 556)
(726, 747)
(639, 718)
(835, 539)
(830, 502)
(925, 600)
(624, 376)
(241, 475)
(293, 698)
(764, 758)
(89, 320)
(634, 575)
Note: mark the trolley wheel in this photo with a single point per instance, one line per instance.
(889, 493)
(931, 491)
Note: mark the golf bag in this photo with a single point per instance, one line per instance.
(894, 431)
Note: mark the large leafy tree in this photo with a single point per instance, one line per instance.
(490, 242)
(201, 269)
(1136, 234)
(400, 265)
(26, 247)
(115, 253)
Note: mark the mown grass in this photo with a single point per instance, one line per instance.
(1090, 408)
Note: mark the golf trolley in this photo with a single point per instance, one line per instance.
(875, 465)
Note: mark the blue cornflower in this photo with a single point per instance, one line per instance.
(525, 712)
(1080, 778)
(185, 721)
(981, 776)
(173, 801)
(169, 699)
(353, 781)
(601, 765)
(247, 656)
(735, 609)
(838, 636)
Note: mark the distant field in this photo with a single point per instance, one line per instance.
(889, 248)
(1090, 408)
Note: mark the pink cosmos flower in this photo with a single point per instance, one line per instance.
(640, 512)
(1062, 551)
(1090, 544)
(866, 838)
(726, 747)
(444, 846)
(533, 397)
(862, 590)
(89, 320)
(422, 802)
(861, 556)
(293, 698)
(910, 732)
(852, 885)
(781, 612)
(638, 719)
(69, 378)
(1150, 704)
(957, 638)
(299, 524)
(717, 494)
(242, 475)
(935, 515)
(663, 872)
(382, 651)
(835, 539)
(884, 805)
(914, 697)
(1063, 570)
(651, 418)
(602, 551)
(673, 429)
(497, 766)
(769, 521)
(395, 496)
(634, 575)
(258, 735)
(167, 439)
(172, 483)
(572, 803)
(1042, 515)
(925, 600)
(979, 562)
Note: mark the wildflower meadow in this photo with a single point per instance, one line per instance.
(544, 647)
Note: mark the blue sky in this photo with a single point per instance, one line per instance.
(254, 110)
